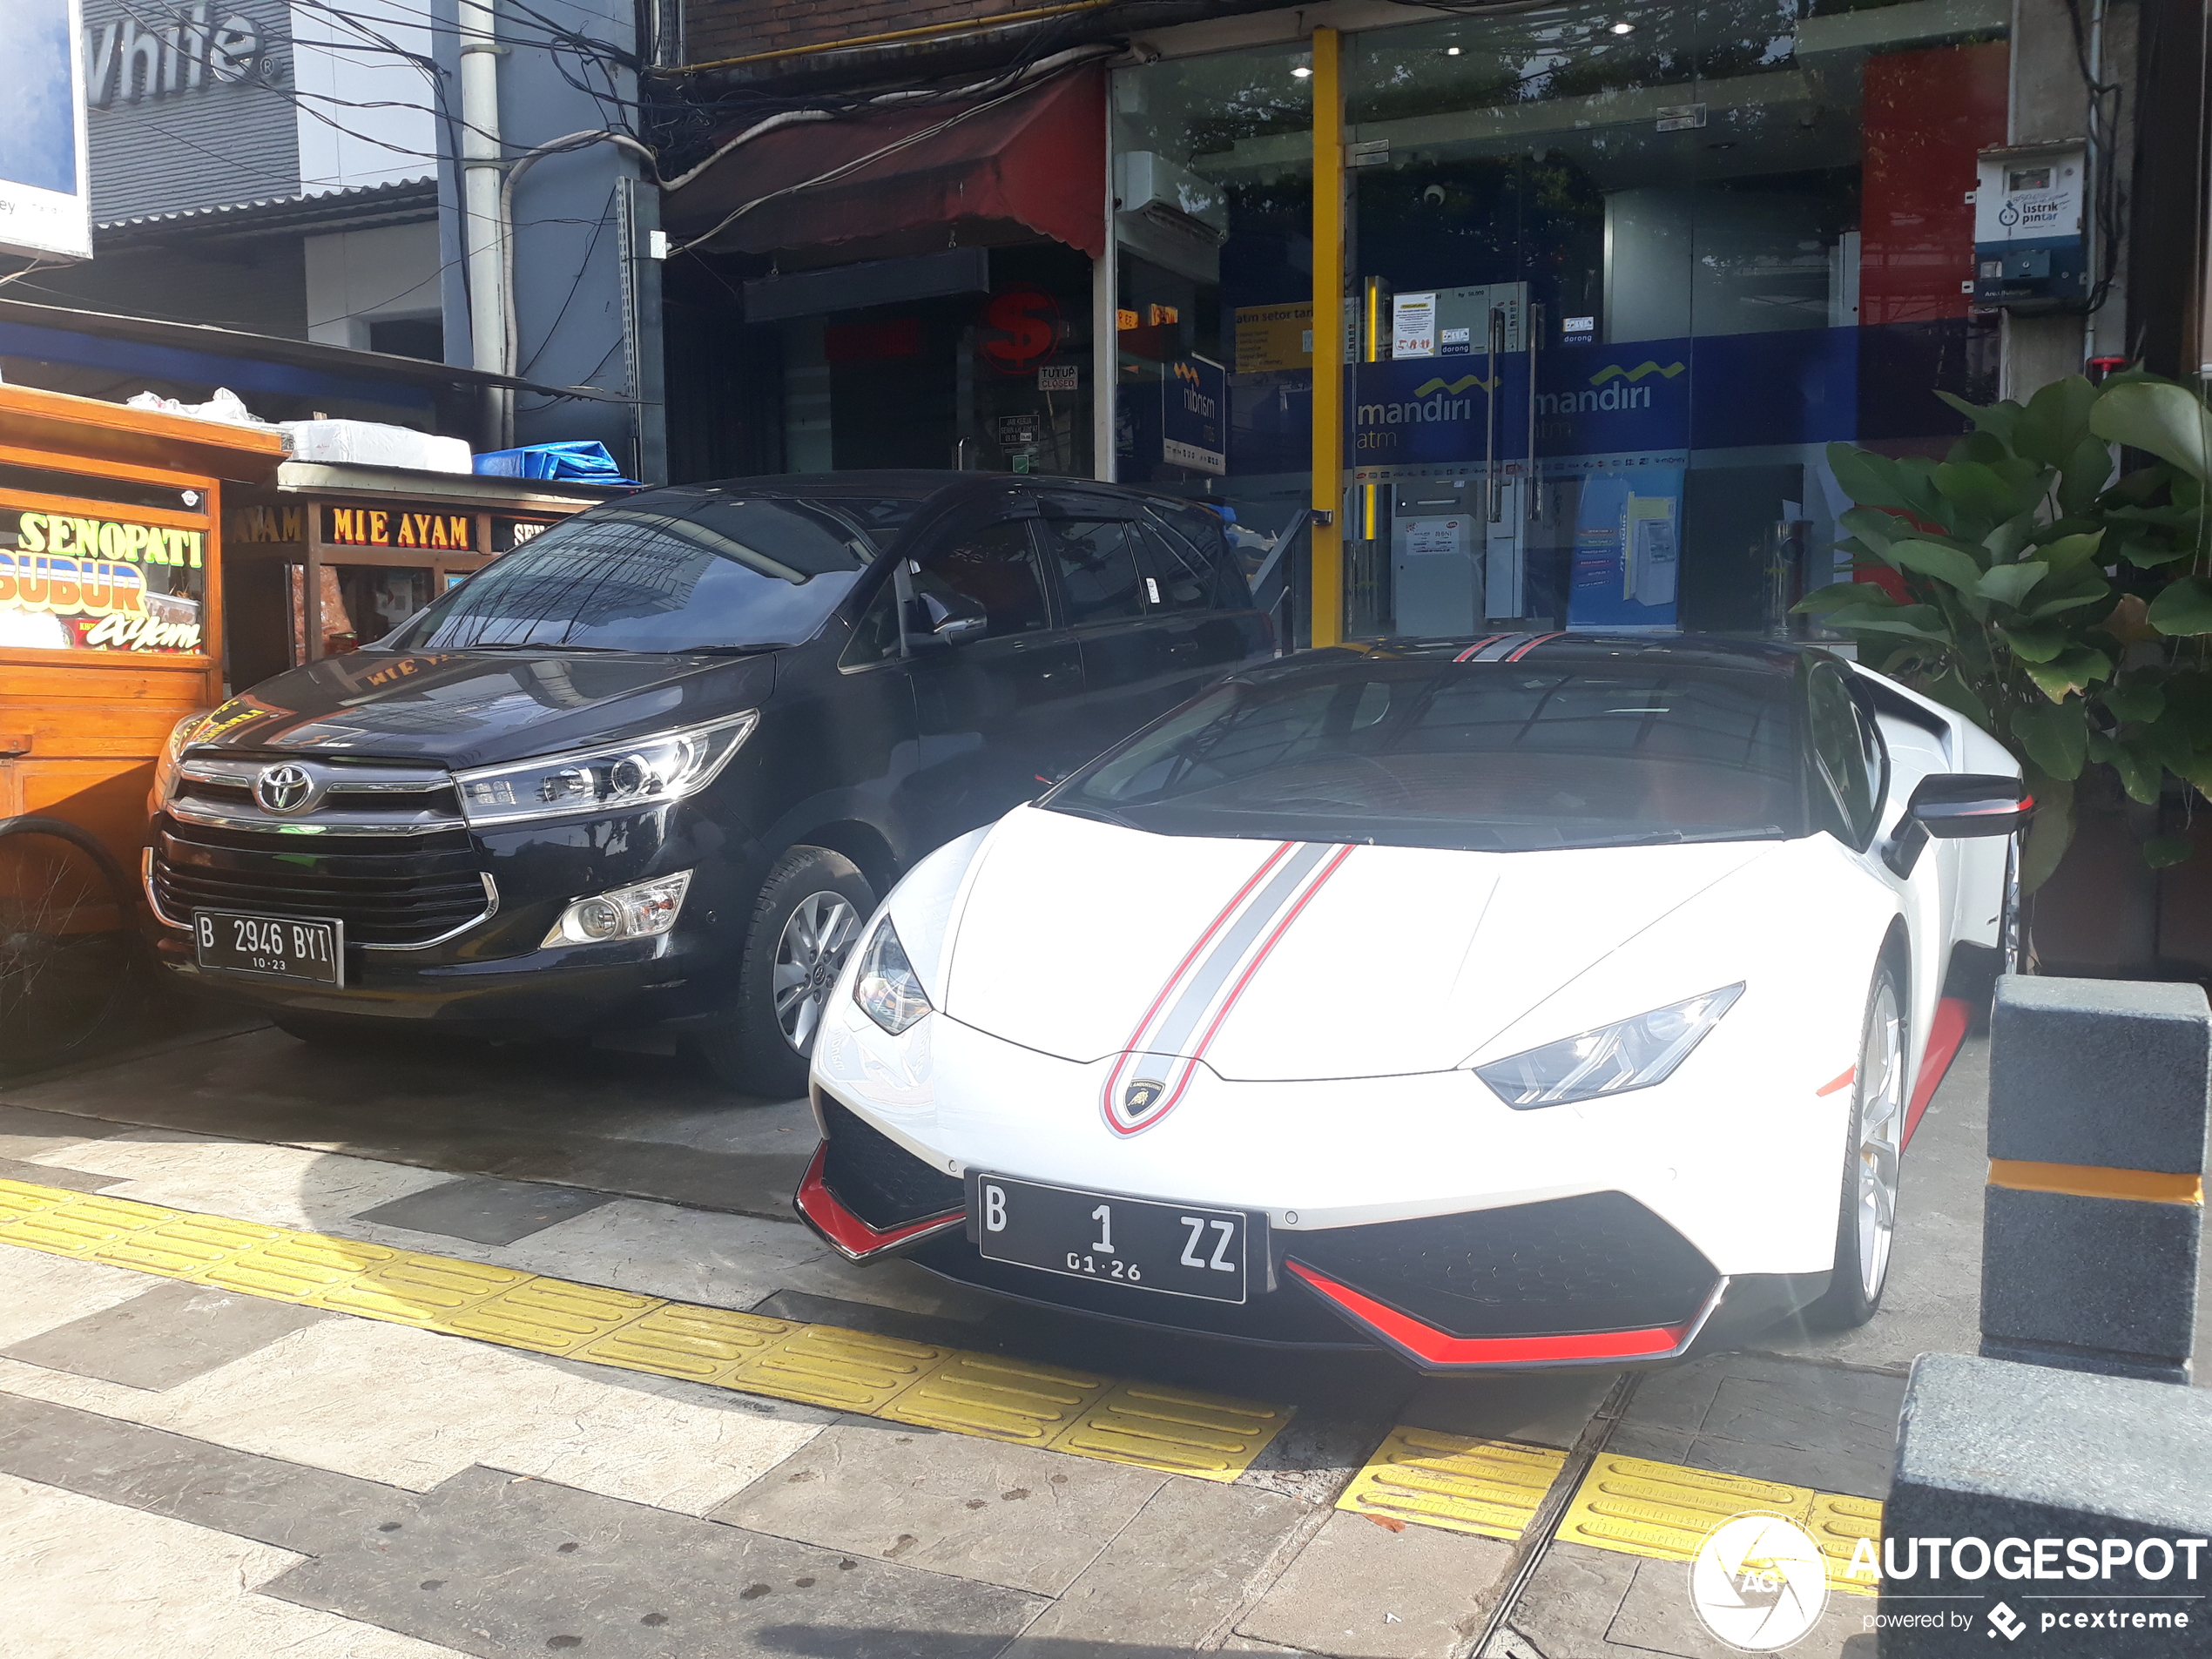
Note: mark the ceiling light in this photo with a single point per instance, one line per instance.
(1624, 28)
(1302, 72)
(1451, 51)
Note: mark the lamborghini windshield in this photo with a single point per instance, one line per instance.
(1488, 757)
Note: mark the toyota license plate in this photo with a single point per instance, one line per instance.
(1179, 1248)
(309, 951)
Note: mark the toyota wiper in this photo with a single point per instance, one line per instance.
(533, 644)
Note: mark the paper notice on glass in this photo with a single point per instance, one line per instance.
(1425, 537)
(1654, 559)
(1412, 318)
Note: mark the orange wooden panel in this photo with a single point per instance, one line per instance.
(104, 677)
(100, 467)
(55, 422)
(108, 797)
(79, 507)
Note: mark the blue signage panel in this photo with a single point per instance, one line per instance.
(1627, 549)
(1194, 415)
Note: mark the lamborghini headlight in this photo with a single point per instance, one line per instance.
(887, 987)
(646, 772)
(1612, 1060)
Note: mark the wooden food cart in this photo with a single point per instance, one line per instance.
(372, 544)
(110, 632)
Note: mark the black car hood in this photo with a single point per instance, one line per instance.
(478, 708)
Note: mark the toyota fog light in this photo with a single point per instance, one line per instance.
(638, 911)
(887, 987)
(1612, 1060)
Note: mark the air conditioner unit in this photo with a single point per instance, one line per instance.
(1174, 196)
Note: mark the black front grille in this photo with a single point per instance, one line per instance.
(1601, 1262)
(388, 890)
(878, 1180)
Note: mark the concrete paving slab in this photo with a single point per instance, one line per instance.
(1826, 1427)
(1566, 1605)
(89, 1577)
(665, 1250)
(561, 1116)
(1655, 1617)
(408, 1408)
(1176, 1575)
(1314, 1459)
(267, 1499)
(1364, 1590)
(1543, 1408)
(494, 1562)
(279, 1186)
(165, 1335)
(1014, 1515)
(484, 1209)
(26, 1133)
(54, 1175)
(38, 1292)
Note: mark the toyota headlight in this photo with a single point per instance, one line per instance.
(646, 772)
(171, 760)
(887, 987)
(1612, 1060)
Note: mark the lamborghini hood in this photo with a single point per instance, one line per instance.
(1283, 960)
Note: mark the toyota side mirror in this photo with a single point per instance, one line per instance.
(1952, 805)
(947, 619)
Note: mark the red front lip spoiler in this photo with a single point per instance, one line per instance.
(1436, 1350)
(845, 1233)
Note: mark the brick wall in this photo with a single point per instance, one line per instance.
(719, 28)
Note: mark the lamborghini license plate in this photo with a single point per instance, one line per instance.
(1179, 1248)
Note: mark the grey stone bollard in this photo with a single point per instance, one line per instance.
(2100, 1092)
(2072, 1510)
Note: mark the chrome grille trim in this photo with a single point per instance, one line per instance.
(323, 822)
(490, 909)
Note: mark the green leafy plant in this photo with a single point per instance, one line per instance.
(2063, 607)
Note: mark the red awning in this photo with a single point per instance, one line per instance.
(1036, 160)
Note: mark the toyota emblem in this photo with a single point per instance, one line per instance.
(285, 788)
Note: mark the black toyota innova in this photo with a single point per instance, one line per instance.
(653, 769)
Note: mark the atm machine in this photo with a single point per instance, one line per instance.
(1458, 544)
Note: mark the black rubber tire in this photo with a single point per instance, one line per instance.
(1845, 1305)
(745, 1048)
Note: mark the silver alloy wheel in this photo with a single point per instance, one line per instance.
(809, 957)
(1881, 1120)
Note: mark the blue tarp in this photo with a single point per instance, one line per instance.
(583, 463)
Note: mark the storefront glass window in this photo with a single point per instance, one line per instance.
(1213, 185)
(115, 567)
(1623, 271)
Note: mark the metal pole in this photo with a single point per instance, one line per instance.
(1105, 325)
(481, 166)
(1328, 342)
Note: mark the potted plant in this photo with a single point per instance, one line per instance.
(2059, 603)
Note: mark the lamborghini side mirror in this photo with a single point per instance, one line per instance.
(1952, 805)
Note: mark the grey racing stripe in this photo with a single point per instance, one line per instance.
(1173, 1031)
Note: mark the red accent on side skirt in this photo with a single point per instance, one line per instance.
(1849, 1076)
(851, 1237)
(1946, 1032)
(1436, 1347)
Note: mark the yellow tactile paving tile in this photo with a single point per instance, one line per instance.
(1837, 1523)
(999, 1399)
(184, 1246)
(426, 1291)
(1210, 1436)
(855, 1370)
(80, 1224)
(1664, 1510)
(699, 1345)
(1491, 1488)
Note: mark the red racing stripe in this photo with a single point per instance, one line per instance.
(1465, 655)
(1434, 1347)
(1514, 656)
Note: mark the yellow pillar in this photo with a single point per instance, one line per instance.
(1328, 341)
